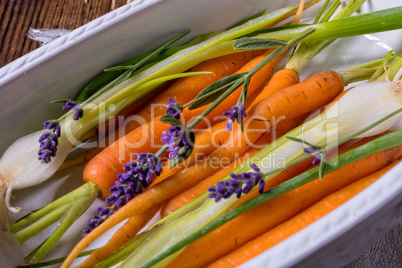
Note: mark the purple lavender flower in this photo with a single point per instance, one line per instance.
(317, 158)
(173, 108)
(238, 184)
(168, 137)
(179, 141)
(76, 107)
(48, 146)
(96, 220)
(237, 112)
(181, 147)
(49, 141)
(53, 125)
(138, 176)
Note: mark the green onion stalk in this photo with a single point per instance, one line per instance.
(347, 117)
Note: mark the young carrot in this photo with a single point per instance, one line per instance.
(275, 132)
(219, 68)
(104, 167)
(121, 237)
(297, 223)
(216, 135)
(254, 86)
(307, 96)
(249, 225)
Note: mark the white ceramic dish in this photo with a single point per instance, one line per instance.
(60, 68)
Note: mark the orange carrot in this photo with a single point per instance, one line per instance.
(219, 68)
(216, 135)
(108, 128)
(105, 166)
(307, 96)
(253, 223)
(198, 189)
(297, 223)
(320, 89)
(121, 237)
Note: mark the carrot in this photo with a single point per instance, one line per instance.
(249, 225)
(121, 237)
(104, 167)
(297, 223)
(197, 172)
(279, 130)
(107, 131)
(307, 96)
(216, 135)
(219, 68)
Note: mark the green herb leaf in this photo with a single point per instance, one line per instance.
(214, 90)
(243, 99)
(168, 119)
(323, 166)
(250, 43)
(60, 101)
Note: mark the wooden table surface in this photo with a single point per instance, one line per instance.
(17, 16)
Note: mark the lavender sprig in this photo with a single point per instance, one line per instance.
(179, 138)
(76, 107)
(319, 153)
(169, 137)
(182, 146)
(173, 108)
(96, 220)
(238, 184)
(238, 112)
(72, 105)
(49, 141)
(317, 158)
(138, 176)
